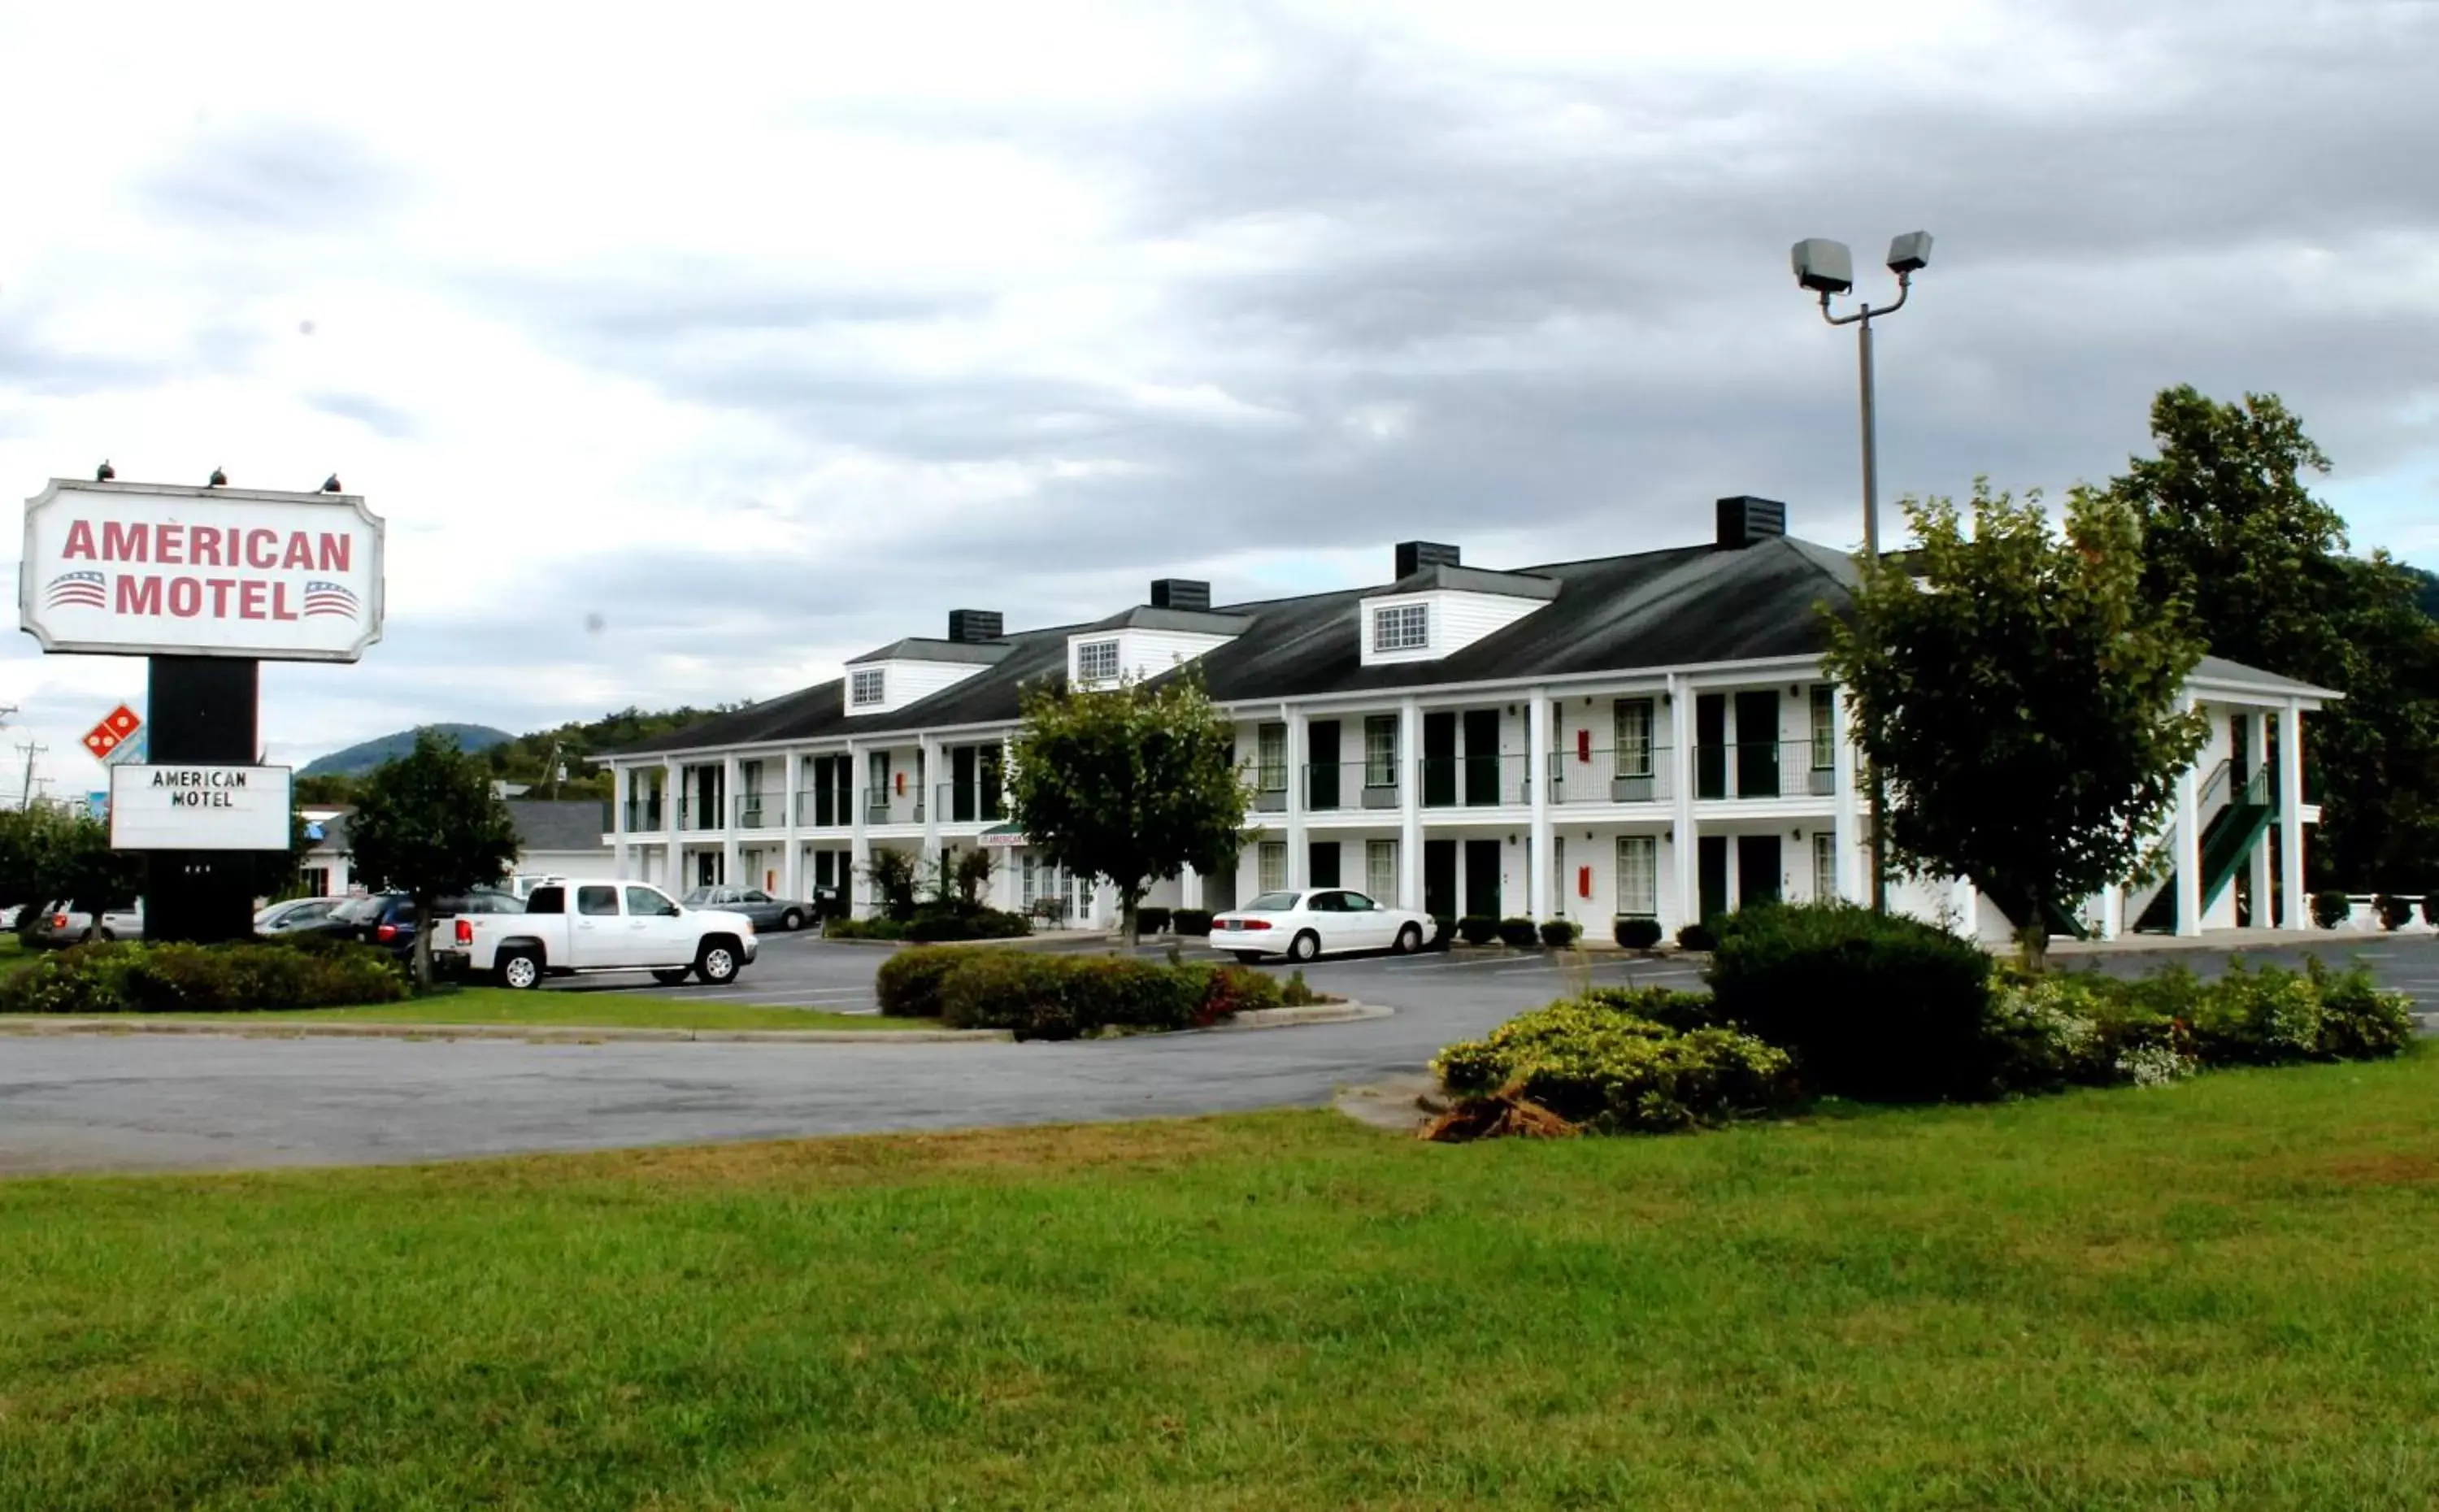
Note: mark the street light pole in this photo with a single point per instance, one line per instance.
(1828, 268)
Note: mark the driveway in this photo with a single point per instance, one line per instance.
(154, 1102)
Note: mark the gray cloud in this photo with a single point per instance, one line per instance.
(281, 177)
(373, 415)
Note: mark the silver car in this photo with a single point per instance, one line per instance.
(764, 910)
(66, 924)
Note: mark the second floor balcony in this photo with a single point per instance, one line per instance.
(644, 817)
(1766, 769)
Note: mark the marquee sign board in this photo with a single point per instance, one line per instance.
(141, 569)
(199, 806)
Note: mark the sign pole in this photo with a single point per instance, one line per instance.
(200, 709)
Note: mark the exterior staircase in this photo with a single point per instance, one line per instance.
(2234, 823)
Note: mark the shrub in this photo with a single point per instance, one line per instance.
(1518, 934)
(1595, 1063)
(1298, 993)
(1124, 992)
(1191, 922)
(1060, 997)
(1557, 933)
(2262, 1017)
(1000, 989)
(1153, 919)
(908, 984)
(1443, 929)
(1681, 1011)
(1696, 938)
(1638, 933)
(1477, 929)
(863, 929)
(130, 977)
(2329, 909)
(954, 924)
(2080, 1029)
(894, 877)
(2359, 1022)
(1236, 989)
(2394, 911)
(1874, 1006)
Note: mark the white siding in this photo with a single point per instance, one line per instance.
(1458, 619)
(908, 682)
(1144, 654)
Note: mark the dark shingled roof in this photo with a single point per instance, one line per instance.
(1678, 607)
(573, 825)
(916, 649)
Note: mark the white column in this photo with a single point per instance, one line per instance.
(1105, 905)
(2112, 912)
(928, 760)
(2291, 913)
(1189, 888)
(792, 866)
(1299, 856)
(1410, 804)
(1537, 775)
(2257, 739)
(2189, 850)
(729, 802)
(1680, 785)
(1852, 886)
(857, 890)
(673, 816)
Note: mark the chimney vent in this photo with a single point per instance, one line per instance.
(973, 626)
(1180, 592)
(1413, 556)
(1744, 519)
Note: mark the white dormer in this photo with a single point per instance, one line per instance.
(1443, 608)
(1174, 628)
(907, 672)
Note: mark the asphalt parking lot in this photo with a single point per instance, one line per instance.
(106, 1102)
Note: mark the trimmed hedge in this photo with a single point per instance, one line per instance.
(1060, 997)
(1557, 933)
(875, 928)
(2330, 909)
(984, 924)
(908, 984)
(2394, 911)
(1152, 920)
(1595, 1060)
(1192, 923)
(1637, 934)
(1518, 934)
(1443, 929)
(127, 976)
(1477, 929)
(1696, 938)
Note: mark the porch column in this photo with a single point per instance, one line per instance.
(2112, 912)
(1409, 803)
(1105, 905)
(2291, 913)
(730, 804)
(2257, 742)
(1845, 834)
(673, 800)
(1537, 779)
(854, 887)
(1681, 847)
(1299, 857)
(792, 866)
(1189, 888)
(928, 764)
(2189, 850)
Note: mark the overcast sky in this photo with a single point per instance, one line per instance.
(690, 351)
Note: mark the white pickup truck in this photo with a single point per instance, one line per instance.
(579, 926)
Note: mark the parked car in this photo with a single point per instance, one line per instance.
(390, 919)
(605, 926)
(294, 915)
(523, 884)
(1303, 924)
(764, 910)
(67, 924)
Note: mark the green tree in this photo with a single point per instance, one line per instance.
(1133, 783)
(51, 855)
(426, 824)
(2021, 702)
(2231, 527)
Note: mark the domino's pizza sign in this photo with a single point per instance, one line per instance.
(136, 569)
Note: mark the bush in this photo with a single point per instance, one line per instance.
(1874, 1006)
(1477, 929)
(1003, 989)
(1518, 934)
(1638, 933)
(1557, 933)
(962, 924)
(2082, 1029)
(1061, 997)
(1193, 923)
(908, 984)
(1696, 938)
(1236, 989)
(1595, 1063)
(1152, 920)
(1298, 993)
(2394, 911)
(1443, 929)
(1681, 1011)
(863, 929)
(2359, 1022)
(2263, 1017)
(130, 977)
(2330, 909)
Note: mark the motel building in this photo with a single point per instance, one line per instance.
(1639, 736)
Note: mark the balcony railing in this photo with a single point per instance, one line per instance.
(970, 803)
(886, 808)
(1636, 774)
(1332, 787)
(1267, 790)
(1476, 781)
(755, 811)
(694, 814)
(1765, 769)
(644, 817)
(825, 808)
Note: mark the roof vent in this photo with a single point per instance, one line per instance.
(1413, 556)
(1744, 519)
(973, 627)
(1181, 593)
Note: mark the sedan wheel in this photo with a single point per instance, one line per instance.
(1304, 947)
(1409, 939)
(792, 920)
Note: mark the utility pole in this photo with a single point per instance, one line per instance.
(26, 796)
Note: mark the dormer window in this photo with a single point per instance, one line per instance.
(1402, 628)
(867, 688)
(1096, 661)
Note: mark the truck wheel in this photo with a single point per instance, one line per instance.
(521, 968)
(716, 965)
(670, 978)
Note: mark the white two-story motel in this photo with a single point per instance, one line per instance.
(1645, 735)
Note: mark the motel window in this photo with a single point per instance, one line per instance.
(865, 688)
(1825, 865)
(1381, 754)
(1402, 628)
(1638, 876)
(1271, 867)
(1271, 759)
(1825, 729)
(1381, 869)
(1097, 662)
(1633, 738)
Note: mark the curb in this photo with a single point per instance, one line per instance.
(559, 1033)
(1291, 1018)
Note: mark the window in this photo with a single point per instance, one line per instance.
(1632, 742)
(1272, 902)
(1638, 876)
(1271, 759)
(1097, 662)
(1825, 729)
(647, 902)
(1402, 628)
(544, 901)
(1271, 867)
(597, 902)
(1381, 867)
(864, 688)
(875, 781)
(1825, 865)
(1380, 751)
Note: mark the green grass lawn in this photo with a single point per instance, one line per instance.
(2223, 1294)
(600, 1011)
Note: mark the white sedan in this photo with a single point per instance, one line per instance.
(1301, 925)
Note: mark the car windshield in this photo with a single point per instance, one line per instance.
(358, 910)
(1272, 903)
(699, 896)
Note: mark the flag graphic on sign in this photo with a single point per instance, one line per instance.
(82, 590)
(327, 598)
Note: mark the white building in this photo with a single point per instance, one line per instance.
(559, 838)
(1644, 735)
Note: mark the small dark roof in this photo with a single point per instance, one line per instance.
(1473, 580)
(918, 649)
(571, 825)
(1200, 621)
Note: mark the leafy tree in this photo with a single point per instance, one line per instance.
(2230, 526)
(330, 787)
(427, 825)
(1133, 783)
(2022, 702)
(53, 855)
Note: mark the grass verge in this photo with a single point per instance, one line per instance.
(2219, 1294)
(586, 1009)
